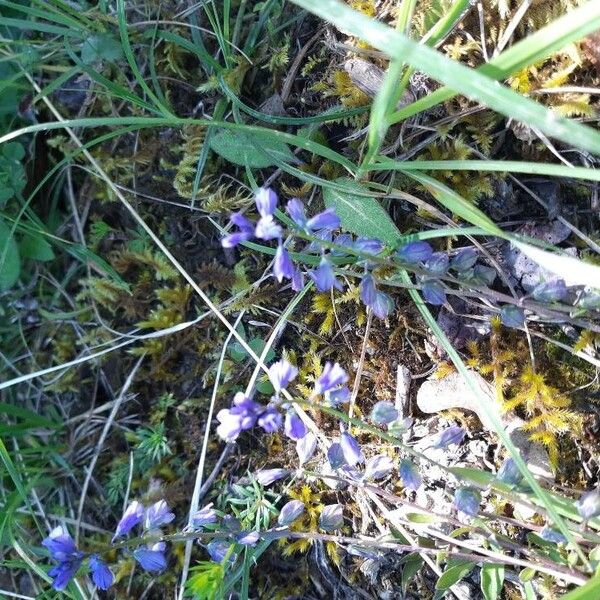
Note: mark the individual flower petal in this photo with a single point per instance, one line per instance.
(218, 550)
(230, 425)
(266, 201)
(324, 277)
(433, 292)
(281, 374)
(415, 252)
(509, 473)
(377, 467)
(62, 573)
(383, 305)
(323, 235)
(337, 396)
(150, 560)
(351, 449)
(60, 544)
(368, 245)
(512, 316)
(335, 456)
(295, 208)
(410, 475)
(267, 229)
(290, 512)
(270, 420)
(450, 435)
(344, 240)
(332, 517)
(588, 505)
(204, 516)
(368, 290)
(552, 535)
(324, 220)
(294, 428)
(248, 538)
(464, 259)
(297, 280)
(305, 447)
(552, 291)
(467, 501)
(102, 576)
(483, 275)
(246, 229)
(268, 476)
(158, 514)
(332, 376)
(383, 413)
(131, 517)
(283, 267)
(437, 263)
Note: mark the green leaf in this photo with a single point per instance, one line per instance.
(481, 478)
(360, 213)
(256, 151)
(492, 580)
(421, 518)
(100, 47)
(36, 248)
(454, 574)
(527, 574)
(410, 568)
(10, 262)
(589, 591)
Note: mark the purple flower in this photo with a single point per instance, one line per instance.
(295, 208)
(218, 550)
(268, 476)
(451, 435)
(204, 516)
(102, 576)
(332, 517)
(467, 501)
(244, 233)
(281, 374)
(483, 275)
(158, 514)
(131, 517)
(509, 473)
(283, 267)
(332, 376)
(305, 447)
(270, 420)
(290, 512)
(377, 467)
(294, 428)
(344, 240)
(338, 396)
(368, 290)
(588, 505)
(297, 280)
(383, 413)
(267, 229)
(512, 316)
(415, 252)
(464, 260)
(410, 475)
(383, 305)
(551, 291)
(247, 538)
(241, 416)
(335, 456)
(549, 534)
(151, 559)
(266, 201)
(62, 573)
(433, 292)
(324, 277)
(351, 449)
(437, 264)
(60, 544)
(327, 220)
(368, 245)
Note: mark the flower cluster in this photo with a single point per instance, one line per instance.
(245, 413)
(63, 550)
